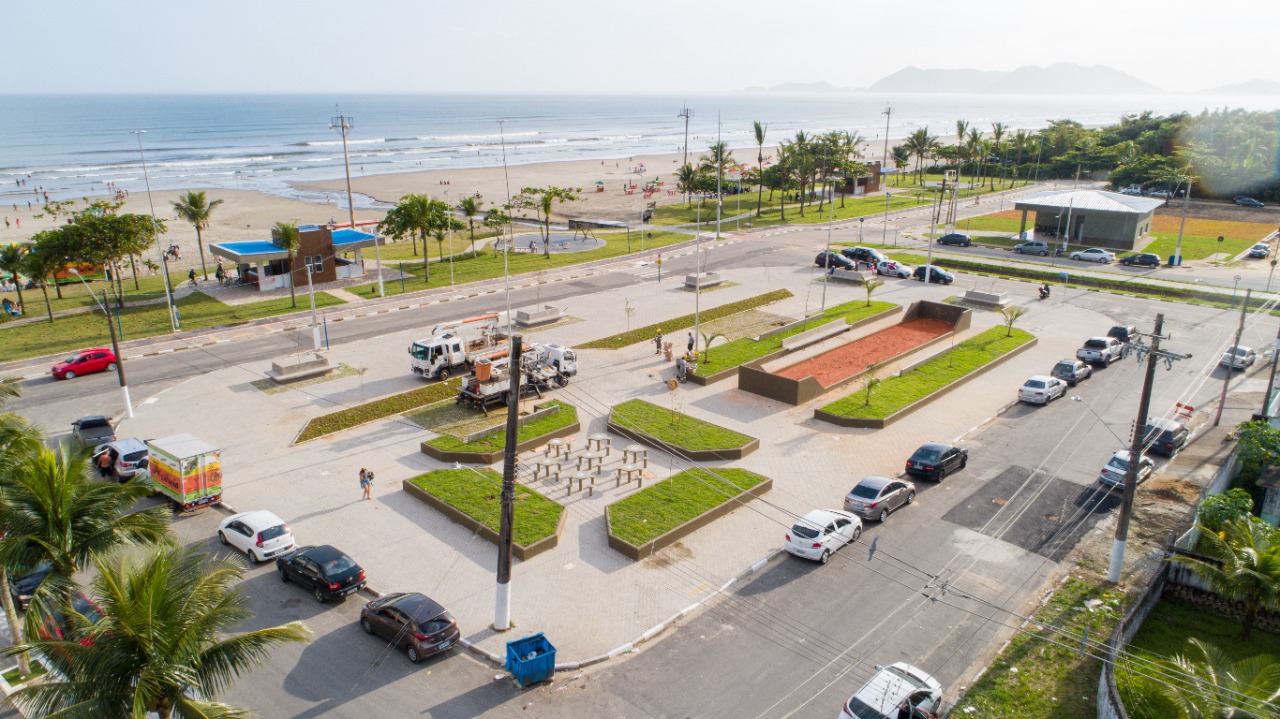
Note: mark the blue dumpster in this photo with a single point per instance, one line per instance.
(531, 660)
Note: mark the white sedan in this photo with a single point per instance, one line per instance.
(1093, 254)
(261, 535)
(818, 534)
(1243, 358)
(1042, 389)
(891, 268)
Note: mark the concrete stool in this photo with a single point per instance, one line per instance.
(582, 477)
(556, 446)
(593, 460)
(543, 467)
(634, 453)
(600, 443)
(632, 471)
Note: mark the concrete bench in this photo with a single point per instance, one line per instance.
(707, 279)
(300, 369)
(986, 299)
(816, 334)
(853, 276)
(538, 315)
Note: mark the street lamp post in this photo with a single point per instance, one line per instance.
(860, 221)
(315, 326)
(885, 231)
(115, 345)
(344, 123)
(155, 228)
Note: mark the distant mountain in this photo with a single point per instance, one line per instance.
(1266, 88)
(800, 87)
(1063, 78)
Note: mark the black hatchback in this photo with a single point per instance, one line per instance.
(936, 460)
(936, 275)
(956, 238)
(328, 573)
(412, 621)
(1165, 436)
(828, 260)
(1142, 259)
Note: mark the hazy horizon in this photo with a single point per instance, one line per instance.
(569, 46)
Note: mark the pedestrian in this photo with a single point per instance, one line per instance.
(220, 273)
(191, 276)
(657, 343)
(103, 462)
(690, 343)
(366, 482)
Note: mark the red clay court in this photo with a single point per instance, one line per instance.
(844, 362)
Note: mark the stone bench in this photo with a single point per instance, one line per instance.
(986, 299)
(708, 279)
(816, 334)
(301, 369)
(538, 315)
(850, 276)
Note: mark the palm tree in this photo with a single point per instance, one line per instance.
(18, 439)
(286, 235)
(920, 144)
(1021, 139)
(56, 513)
(973, 148)
(1203, 683)
(13, 261)
(962, 129)
(998, 129)
(901, 159)
(196, 211)
(1249, 573)
(163, 644)
(871, 286)
(688, 177)
(784, 177)
(470, 207)
(760, 129)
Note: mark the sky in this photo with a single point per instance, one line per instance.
(424, 46)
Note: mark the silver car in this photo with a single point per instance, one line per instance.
(1114, 471)
(1243, 358)
(875, 497)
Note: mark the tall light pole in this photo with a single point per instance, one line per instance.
(1186, 202)
(719, 178)
(888, 113)
(115, 346)
(511, 236)
(448, 227)
(831, 218)
(685, 113)
(315, 326)
(344, 123)
(155, 228)
(885, 231)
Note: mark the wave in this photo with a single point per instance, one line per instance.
(493, 136)
(327, 143)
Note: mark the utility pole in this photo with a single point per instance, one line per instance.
(344, 123)
(502, 610)
(685, 113)
(1235, 347)
(1275, 355)
(719, 175)
(888, 113)
(1186, 202)
(933, 230)
(1153, 355)
(155, 229)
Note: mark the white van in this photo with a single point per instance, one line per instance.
(898, 691)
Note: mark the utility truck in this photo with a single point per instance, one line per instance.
(540, 367)
(455, 347)
(187, 470)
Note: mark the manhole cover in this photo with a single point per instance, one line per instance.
(999, 501)
(1053, 518)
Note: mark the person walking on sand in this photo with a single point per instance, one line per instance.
(657, 343)
(366, 482)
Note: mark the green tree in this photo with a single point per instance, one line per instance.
(998, 130)
(496, 219)
(45, 255)
(901, 159)
(1203, 683)
(962, 130)
(97, 236)
(760, 129)
(18, 440)
(439, 223)
(470, 207)
(286, 235)
(1259, 446)
(163, 644)
(688, 177)
(870, 381)
(541, 199)
(13, 262)
(1249, 569)
(920, 143)
(196, 210)
(408, 217)
(707, 339)
(871, 286)
(1218, 509)
(1011, 314)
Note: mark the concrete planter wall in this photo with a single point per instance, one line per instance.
(872, 423)
(696, 455)
(521, 551)
(539, 413)
(675, 534)
(451, 456)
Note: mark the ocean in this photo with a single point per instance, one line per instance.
(73, 145)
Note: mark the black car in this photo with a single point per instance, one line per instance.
(955, 238)
(828, 260)
(935, 275)
(1141, 259)
(328, 573)
(93, 431)
(866, 255)
(51, 627)
(936, 460)
(1165, 436)
(1248, 202)
(23, 586)
(411, 621)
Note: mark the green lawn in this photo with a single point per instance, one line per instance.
(988, 223)
(1197, 248)
(487, 265)
(741, 351)
(1053, 679)
(661, 507)
(76, 293)
(894, 393)
(849, 207)
(197, 311)
(1165, 633)
(675, 428)
(567, 415)
(477, 493)
(379, 408)
(460, 243)
(675, 324)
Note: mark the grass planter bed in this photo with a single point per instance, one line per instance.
(487, 450)
(664, 513)
(472, 498)
(725, 359)
(377, 409)
(675, 324)
(899, 396)
(678, 433)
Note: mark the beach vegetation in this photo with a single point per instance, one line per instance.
(195, 209)
(408, 217)
(13, 259)
(470, 207)
(440, 221)
(760, 129)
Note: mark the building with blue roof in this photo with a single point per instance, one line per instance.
(327, 252)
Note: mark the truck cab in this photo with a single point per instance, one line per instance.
(437, 357)
(561, 358)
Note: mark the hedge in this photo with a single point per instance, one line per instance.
(661, 507)
(378, 409)
(477, 493)
(496, 442)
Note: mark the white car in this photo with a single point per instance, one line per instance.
(890, 268)
(818, 534)
(1093, 254)
(1114, 471)
(1243, 359)
(261, 535)
(889, 688)
(1042, 390)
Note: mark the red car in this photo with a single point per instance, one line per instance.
(85, 362)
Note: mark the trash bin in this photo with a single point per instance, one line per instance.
(1175, 260)
(531, 660)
